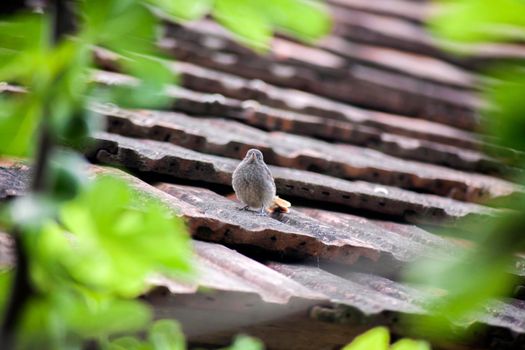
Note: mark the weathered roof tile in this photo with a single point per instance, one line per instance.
(220, 268)
(168, 159)
(360, 85)
(345, 161)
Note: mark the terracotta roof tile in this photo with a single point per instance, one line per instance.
(168, 159)
(359, 84)
(345, 161)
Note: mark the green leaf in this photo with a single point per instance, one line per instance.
(465, 284)
(375, 339)
(307, 20)
(18, 33)
(19, 120)
(506, 118)
(127, 343)
(480, 20)
(154, 76)
(409, 344)
(166, 335)
(184, 9)
(119, 246)
(37, 329)
(56, 83)
(244, 342)
(244, 19)
(6, 277)
(47, 245)
(21, 36)
(67, 175)
(102, 318)
(122, 26)
(253, 21)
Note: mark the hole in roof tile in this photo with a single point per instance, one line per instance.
(325, 193)
(204, 232)
(409, 213)
(210, 298)
(314, 168)
(305, 189)
(273, 238)
(167, 137)
(115, 123)
(345, 196)
(172, 164)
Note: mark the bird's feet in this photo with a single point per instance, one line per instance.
(262, 212)
(245, 208)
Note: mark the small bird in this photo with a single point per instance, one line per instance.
(253, 182)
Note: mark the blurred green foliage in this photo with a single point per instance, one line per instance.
(379, 339)
(255, 21)
(90, 245)
(150, 235)
(91, 258)
(472, 21)
(243, 342)
(465, 284)
(506, 120)
(163, 335)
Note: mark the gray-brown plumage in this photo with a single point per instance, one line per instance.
(253, 182)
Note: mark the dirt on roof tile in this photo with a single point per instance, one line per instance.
(14, 179)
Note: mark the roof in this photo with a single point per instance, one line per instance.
(371, 135)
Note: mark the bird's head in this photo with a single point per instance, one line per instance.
(254, 155)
